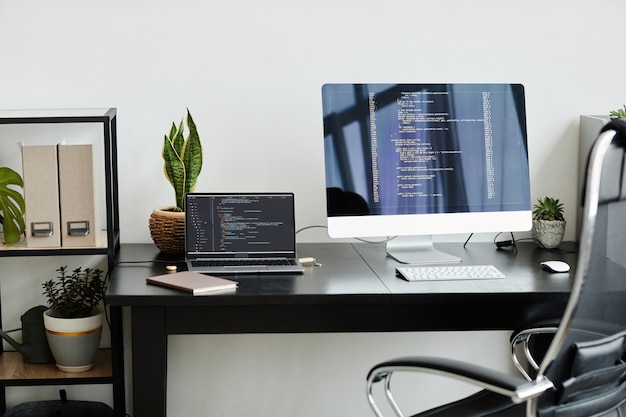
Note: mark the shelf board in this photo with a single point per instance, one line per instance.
(54, 115)
(21, 249)
(15, 372)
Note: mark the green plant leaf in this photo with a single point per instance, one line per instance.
(174, 168)
(619, 113)
(192, 155)
(177, 138)
(12, 205)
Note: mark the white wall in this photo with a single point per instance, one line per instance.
(251, 71)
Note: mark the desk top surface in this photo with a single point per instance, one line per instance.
(521, 267)
(350, 273)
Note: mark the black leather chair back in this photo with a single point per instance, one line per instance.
(587, 362)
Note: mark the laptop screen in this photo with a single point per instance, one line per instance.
(239, 225)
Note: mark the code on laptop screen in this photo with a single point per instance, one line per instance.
(240, 225)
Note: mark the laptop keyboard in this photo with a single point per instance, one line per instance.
(240, 262)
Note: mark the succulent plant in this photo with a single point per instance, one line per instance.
(548, 208)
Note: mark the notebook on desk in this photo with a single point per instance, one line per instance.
(236, 233)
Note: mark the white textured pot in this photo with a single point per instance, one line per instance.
(74, 342)
(548, 233)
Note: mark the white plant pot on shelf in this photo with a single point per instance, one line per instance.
(74, 342)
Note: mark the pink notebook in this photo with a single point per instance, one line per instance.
(193, 282)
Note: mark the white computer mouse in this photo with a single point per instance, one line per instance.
(555, 266)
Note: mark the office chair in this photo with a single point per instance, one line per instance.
(583, 370)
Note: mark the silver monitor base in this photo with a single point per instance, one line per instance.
(417, 250)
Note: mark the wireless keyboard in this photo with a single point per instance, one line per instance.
(441, 273)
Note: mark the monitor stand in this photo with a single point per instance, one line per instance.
(417, 250)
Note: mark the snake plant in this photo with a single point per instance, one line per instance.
(12, 205)
(183, 159)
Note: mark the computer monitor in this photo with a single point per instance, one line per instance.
(416, 160)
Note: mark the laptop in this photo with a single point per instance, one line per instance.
(237, 233)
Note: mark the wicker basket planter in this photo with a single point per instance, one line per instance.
(167, 229)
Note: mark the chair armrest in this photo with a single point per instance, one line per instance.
(516, 388)
(524, 338)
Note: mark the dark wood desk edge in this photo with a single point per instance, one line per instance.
(368, 290)
(352, 312)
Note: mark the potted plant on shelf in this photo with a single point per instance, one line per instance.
(74, 320)
(548, 222)
(618, 114)
(182, 159)
(12, 205)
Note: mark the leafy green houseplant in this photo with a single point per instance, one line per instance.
(74, 320)
(182, 159)
(77, 293)
(12, 205)
(618, 114)
(549, 223)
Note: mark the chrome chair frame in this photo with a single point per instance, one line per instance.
(526, 388)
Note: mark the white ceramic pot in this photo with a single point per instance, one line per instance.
(74, 342)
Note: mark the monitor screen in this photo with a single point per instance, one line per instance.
(424, 159)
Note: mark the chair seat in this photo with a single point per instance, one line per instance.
(482, 404)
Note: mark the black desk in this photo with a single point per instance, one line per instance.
(354, 291)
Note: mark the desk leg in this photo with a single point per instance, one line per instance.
(3, 400)
(149, 362)
(117, 352)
